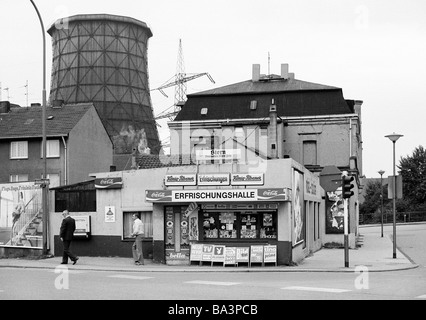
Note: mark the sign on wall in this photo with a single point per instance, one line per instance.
(217, 179)
(20, 215)
(110, 214)
(180, 179)
(222, 154)
(82, 226)
(222, 195)
(109, 183)
(299, 225)
(247, 179)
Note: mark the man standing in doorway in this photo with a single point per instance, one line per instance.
(66, 234)
(138, 231)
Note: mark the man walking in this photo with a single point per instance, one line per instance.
(66, 234)
(138, 231)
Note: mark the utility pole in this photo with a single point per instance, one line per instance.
(45, 185)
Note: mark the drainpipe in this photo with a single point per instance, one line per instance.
(66, 161)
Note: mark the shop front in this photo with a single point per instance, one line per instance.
(224, 218)
(211, 214)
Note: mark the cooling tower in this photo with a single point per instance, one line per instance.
(102, 59)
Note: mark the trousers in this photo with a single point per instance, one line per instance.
(67, 252)
(137, 249)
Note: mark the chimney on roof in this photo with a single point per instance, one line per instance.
(272, 132)
(35, 104)
(291, 75)
(4, 106)
(57, 103)
(255, 73)
(284, 71)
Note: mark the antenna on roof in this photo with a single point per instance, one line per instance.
(269, 64)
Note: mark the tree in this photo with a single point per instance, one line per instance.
(372, 204)
(413, 171)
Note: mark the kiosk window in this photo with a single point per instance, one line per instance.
(210, 225)
(268, 229)
(256, 224)
(249, 226)
(227, 225)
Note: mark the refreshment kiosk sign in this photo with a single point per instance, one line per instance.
(222, 195)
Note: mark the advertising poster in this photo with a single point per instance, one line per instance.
(21, 215)
(218, 254)
(270, 254)
(196, 252)
(230, 255)
(256, 254)
(207, 252)
(334, 223)
(243, 254)
(298, 209)
(110, 214)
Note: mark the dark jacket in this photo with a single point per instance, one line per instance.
(67, 229)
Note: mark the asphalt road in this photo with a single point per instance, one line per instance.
(174, 288)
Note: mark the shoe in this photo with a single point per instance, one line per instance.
(64, 262)
(75, 261)
(137, 263)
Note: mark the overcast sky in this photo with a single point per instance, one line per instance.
(374, 50)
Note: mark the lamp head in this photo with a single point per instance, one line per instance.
(394, 136)
(381, 172)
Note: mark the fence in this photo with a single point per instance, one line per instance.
(401, 217)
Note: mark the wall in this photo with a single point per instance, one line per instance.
(89, 148)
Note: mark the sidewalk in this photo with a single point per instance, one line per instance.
(375, 254)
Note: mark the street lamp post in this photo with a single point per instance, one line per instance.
(381, 172)
(394, 137)
(44, 186)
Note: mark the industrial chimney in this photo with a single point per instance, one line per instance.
(102, 59)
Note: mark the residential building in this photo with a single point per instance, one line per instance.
(76, 143)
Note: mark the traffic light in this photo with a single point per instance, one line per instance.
(347, 185)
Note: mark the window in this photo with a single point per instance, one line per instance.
(52, 149)
(309, 152)
(18, 177)
(146, 218)
(19, 150)
(240, 225)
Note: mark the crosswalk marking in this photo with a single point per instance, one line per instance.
(421, 297)
(215, 283)
(126, 276)
(332, 290)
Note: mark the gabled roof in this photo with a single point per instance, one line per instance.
(22, 122)
(292, 97)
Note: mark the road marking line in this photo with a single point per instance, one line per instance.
(126, 276)
(70, 271)
(215, 283)
(421, 297)
(332, 290)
